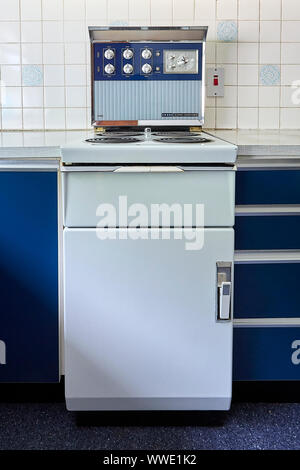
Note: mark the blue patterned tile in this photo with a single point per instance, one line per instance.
(227, 31)
(270, 75)
(32, 75)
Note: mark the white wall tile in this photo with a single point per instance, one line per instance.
(269, 96)
(33, 119)
(31, 10)
(76, 97)
(11, 75)
(248, 9)
(9, 10)
(183, 10)
(118, 11)
(210, 118)
(226, 118)
(290, 53)
(9, 54)
(55, 118)
(12, 118)
(162, 10)
(269, 53)
(248, 96)
(53, 31)
(226, 9)
(290, 10)
(227, 53)
(139, 10)
(54, 96)
(75, 75)
(75, 31)
(291, 31)
(32, 54)
(53, 54)
(211, 24)
(210, 52)
(270, 9)
(74, 10)
(76, 118)
(54, 75)
(9, 32)
(290, 96)
(230, 74)
(270, 31)
(289, 74)
(230, 98)
(11, 97)
(31, 31)
(96, 9)
(33, 97)
(248, 53)
(268, 118)
(247, 75)
(248, 118)
(248, 31)
(289, 118)
(75, 53)
(52, 9)
(205, 9)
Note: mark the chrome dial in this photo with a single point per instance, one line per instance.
(147, 68)
(109, 68)
(146, 54)
(109, 54)
(128, 68)
(128, 54)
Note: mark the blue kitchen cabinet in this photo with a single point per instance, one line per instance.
(267, 187)
(266, 353)
(280, 232)
(266, 290)
(29, 344)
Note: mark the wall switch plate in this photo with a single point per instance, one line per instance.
(215, 82)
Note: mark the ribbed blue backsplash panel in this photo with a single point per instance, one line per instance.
(142, 100)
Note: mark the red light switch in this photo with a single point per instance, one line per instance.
(216, 80)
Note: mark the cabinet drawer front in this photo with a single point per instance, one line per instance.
(266, 353)
(85, 191)
(268, 187)
(267, 291)
(267, 233)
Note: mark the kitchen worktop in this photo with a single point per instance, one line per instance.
(45, 145)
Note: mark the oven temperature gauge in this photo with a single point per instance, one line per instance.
(184, 61)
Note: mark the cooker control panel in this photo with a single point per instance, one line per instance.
(147, 61)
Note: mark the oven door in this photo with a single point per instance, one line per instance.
(141, 321)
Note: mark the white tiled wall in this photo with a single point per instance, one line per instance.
(44, 58)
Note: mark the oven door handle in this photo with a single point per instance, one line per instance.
(148, 169)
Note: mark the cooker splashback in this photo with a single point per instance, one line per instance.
(148, 76)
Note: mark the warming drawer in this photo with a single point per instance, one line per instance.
(85, 190)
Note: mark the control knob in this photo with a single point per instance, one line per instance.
(147, 68)
(109, 54)
(146, 54)
(109, 68)
(128, 54)
(128, 68)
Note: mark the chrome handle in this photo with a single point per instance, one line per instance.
(224, 291)
(148, 169)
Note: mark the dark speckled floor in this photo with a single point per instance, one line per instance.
(247, 426)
